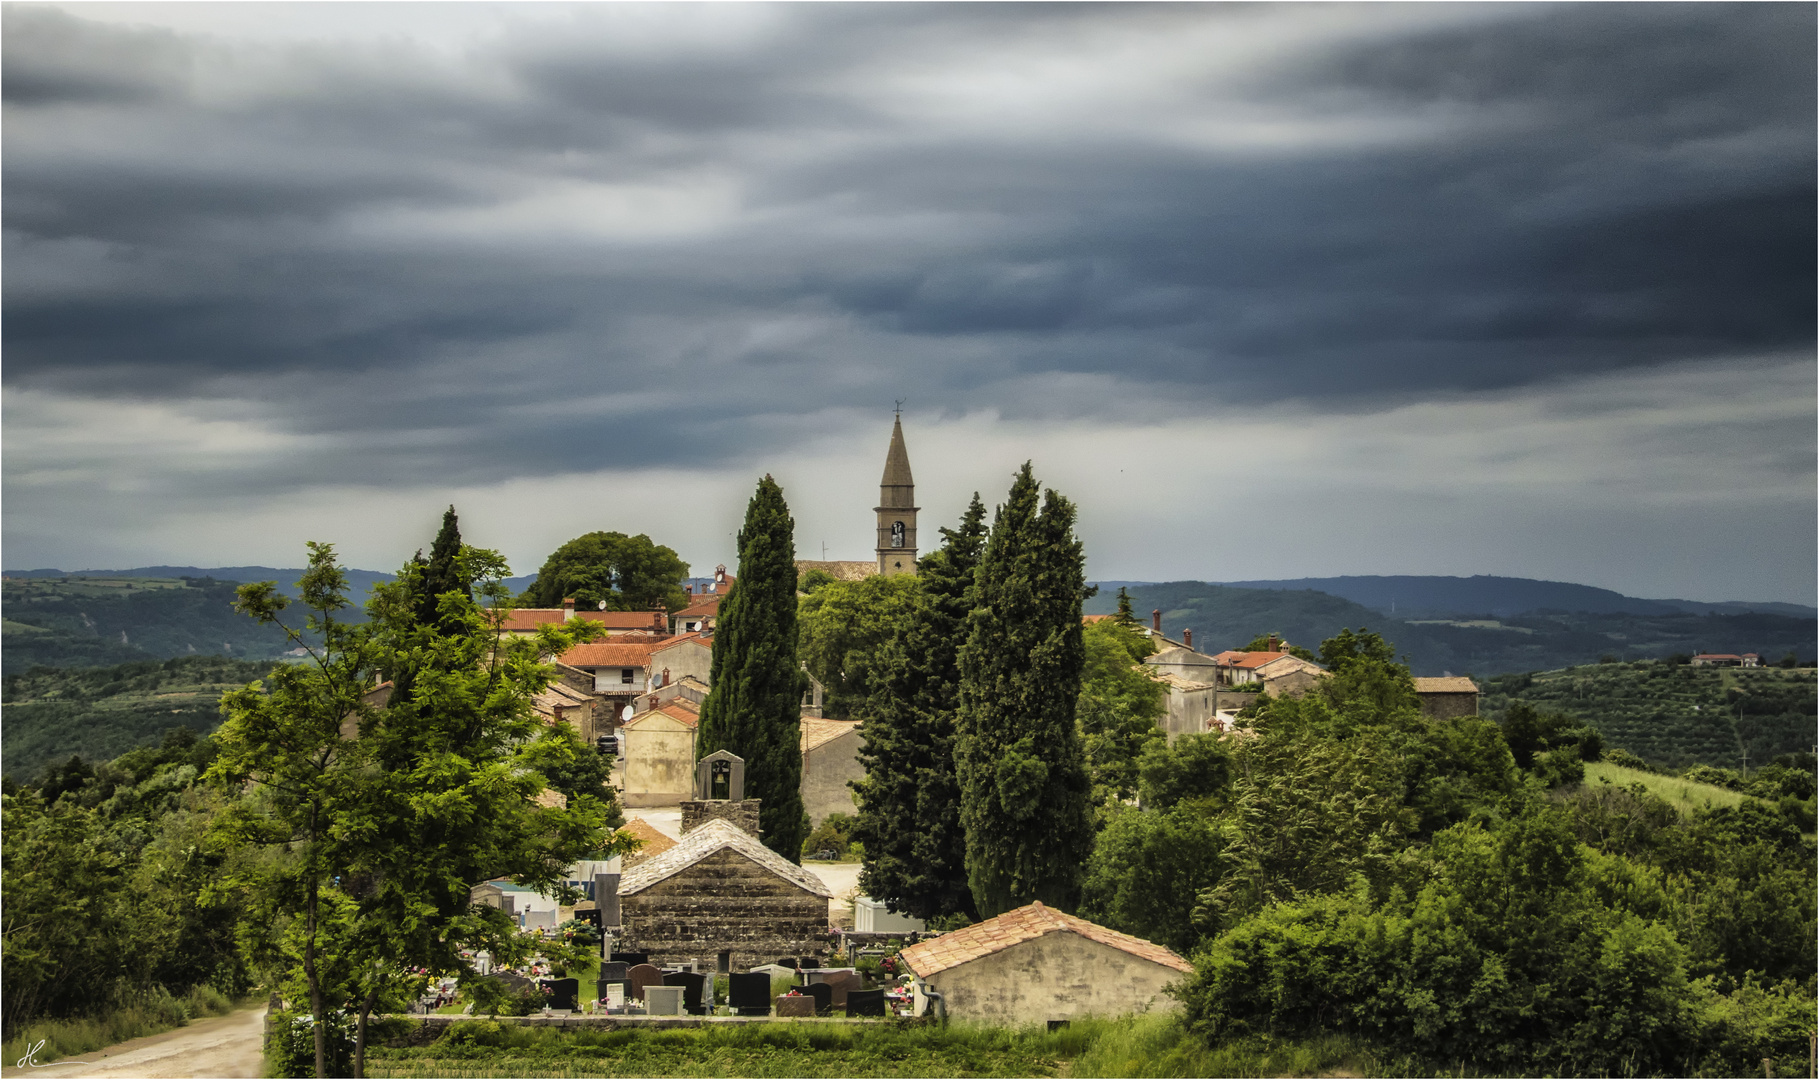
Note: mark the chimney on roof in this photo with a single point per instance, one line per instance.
(1156, 621)
(690, 589)
(568, 607)
(1273, 647)
(1187, 638)
(664, 678)
(719, 576)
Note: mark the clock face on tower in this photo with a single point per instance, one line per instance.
(896, 534)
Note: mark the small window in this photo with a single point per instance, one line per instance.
(625, 674)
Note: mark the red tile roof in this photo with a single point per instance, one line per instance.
(680, 638)
(708, 606)
(1016, 927)
(528, 619)
(610, 654)
(1240, 659)
(1096, 618)
(677, 709)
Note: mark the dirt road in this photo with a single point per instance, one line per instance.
(225, 1046)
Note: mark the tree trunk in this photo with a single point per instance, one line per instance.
(366, 1008)
(317, 1025)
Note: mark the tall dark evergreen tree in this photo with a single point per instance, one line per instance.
(909, 800)
(1024, 789)
(754, 707)
(426, 580)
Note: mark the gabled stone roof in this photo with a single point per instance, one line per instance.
(819, 732)
(705, 840)
(1016, 927)
(1455, 684)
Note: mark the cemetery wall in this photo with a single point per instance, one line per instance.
(724, 903)
(1058, 976)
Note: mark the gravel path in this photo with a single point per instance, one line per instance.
(224, 1046)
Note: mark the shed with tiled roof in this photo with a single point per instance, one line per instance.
(1037, 963)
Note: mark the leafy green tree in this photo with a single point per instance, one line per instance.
(379, 819)
(1194, 769)
(1120, 705)
(1145, 872)
(813, 580)
(754, 708)
(627, 573)
(909, 799)
(843, 627)
(1023, 779)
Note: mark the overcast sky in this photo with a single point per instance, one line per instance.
(1269, 291)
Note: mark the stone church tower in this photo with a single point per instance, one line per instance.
(897, 510)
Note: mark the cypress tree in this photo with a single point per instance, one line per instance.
(909, 800)
(426, 581)
(1024, 799)
(754, 707)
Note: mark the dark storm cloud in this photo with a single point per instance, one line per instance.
(374, 240)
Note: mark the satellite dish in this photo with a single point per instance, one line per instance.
(625, 713)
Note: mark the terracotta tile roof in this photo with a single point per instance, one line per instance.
(700, 608)
(819, 732)
(706, 839)
(610, 654)
(1453, 684)
(655, 842)
(527, 619)
(1248, 659)
(682, 638)
(1095, 618)
(675, 710)
(1016, 927)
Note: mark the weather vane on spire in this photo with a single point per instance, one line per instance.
(900, 406)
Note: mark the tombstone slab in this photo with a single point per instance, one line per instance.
(840, 981)
(823, 996)
(564, 993)
(749, 993)
(663, 1000)
(795, 1005)
(694, 986)
(642, 976)
(865, 1003)
(775, 971)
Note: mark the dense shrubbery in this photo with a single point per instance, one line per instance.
(1449, 892)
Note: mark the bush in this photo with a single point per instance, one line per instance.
(292, 1051)
(832, 837)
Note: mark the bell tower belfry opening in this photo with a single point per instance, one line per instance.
(897, 509)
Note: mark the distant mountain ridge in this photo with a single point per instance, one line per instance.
(1409, 596)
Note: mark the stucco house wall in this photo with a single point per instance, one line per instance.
(1058, 976)
(825, 771)
(687, 657)
(659, 764)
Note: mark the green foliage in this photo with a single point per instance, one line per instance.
(628, 573)
(1147, 871)
(843, 627)
(812, 580)
(292, 1051)
(754, 707)
(1119, 707)
(1023, 778)
(1675, 715)
(833, 834)
(909, 800)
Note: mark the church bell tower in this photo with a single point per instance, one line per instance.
(897, 509)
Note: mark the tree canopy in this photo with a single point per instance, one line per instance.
(754, 704)
(626, 573)
(843, 627)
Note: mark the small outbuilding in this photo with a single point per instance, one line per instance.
(830, 760)
(1035, 964)
(658, 767)
(1447, 697)
(721, 894)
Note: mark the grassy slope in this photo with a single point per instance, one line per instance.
(1676, 714)
(1687, 796)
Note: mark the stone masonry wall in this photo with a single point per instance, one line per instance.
(1057, 976)
(724, 903)
(698, 812)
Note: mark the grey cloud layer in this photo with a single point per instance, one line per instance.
(474, 263)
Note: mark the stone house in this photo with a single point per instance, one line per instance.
(658, 765)
(621, 670)
(1447, 697)
(690, 656)
(1184, 663)
(1748, 659)
(523, 622)
(1037, 964)
(830, 758)
(1289, 675)
(720, 894)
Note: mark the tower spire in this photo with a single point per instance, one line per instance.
(897, 508)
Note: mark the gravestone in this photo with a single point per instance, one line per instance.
(615, 971)
(693, 985)
(564, 993)
(788, 962)
(865, 1003)
(840, 982)
(823, 995)
(795, 1005)
(642, 976)
(615, 998)
(775, 971)
(633, 958)
(749, 993)
(606, 899)
(663, 1000)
